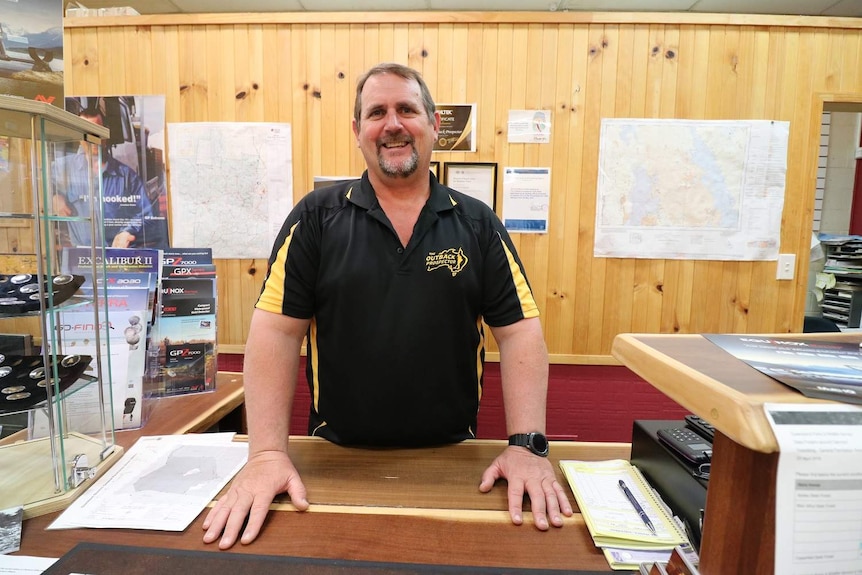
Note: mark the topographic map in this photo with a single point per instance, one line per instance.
(231, 186)
(693, 189)
(162, 482)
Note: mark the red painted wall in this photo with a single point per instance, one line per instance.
(585, 402)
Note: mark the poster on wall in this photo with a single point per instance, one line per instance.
(457, 128)
(134, 181)
(31, 50)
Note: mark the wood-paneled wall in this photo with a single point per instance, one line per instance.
(301, 68)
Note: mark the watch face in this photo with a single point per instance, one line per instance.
(536, 442)
(539, 444)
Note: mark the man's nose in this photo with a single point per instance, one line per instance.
(393, 122)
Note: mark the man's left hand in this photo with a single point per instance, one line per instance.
(534, 477)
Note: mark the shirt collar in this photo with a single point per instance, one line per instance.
(112, 166)
(361, 193)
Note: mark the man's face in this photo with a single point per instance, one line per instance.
(98, 120)
(395, 134)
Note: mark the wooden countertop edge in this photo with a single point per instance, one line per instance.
(478, 515)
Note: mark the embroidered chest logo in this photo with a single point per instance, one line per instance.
(453, 259)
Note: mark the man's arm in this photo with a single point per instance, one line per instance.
(524, 371)
(270, 378)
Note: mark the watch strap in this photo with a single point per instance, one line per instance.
(536, 442)
(520, 439)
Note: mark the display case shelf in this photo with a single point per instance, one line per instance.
(69, 305)
(78, 385)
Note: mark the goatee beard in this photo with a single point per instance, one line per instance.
(400, 169)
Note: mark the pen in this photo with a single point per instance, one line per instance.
(630, 496)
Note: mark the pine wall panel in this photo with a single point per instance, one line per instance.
(301, 68)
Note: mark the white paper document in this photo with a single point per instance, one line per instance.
(24, 565)
(163, 482)
(818, 494)
(526, 200)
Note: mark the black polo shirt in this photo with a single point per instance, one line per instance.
(396, 345)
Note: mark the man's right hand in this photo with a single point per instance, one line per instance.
(61, 207)
(264, 476)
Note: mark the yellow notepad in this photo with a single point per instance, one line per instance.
(610, 515)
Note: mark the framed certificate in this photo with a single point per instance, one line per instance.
(476, 179)
(457, 131)
(435, 169)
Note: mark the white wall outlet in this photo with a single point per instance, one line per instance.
(786, 267)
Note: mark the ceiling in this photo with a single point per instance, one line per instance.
(852, 8)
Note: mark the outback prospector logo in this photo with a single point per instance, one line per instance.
(453, 258)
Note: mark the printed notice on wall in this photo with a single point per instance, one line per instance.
(690, 189)
(818, 494)
(526, 199)
(529, 126)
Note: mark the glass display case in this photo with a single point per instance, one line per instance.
(56, 421)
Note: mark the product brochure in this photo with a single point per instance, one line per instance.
(132, 277)
(187, 256)
(815, 367)
(187, 323)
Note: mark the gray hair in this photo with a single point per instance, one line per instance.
(401, 70)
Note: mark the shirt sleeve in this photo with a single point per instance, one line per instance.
(290, 282)
(507, 294)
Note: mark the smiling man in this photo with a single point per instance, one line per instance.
(391, 277)
(395, 115)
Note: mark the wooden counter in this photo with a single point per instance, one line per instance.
(404, 505)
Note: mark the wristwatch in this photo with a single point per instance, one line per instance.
(536, 442)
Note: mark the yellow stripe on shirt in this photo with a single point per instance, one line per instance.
(525, 296)
(315, 384)
(480, 367)
(272, 296)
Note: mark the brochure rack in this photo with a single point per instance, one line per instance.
(56, 427)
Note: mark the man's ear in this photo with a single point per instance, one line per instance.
(356, 131)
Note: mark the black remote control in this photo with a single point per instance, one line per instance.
(686, 443)
(701, 426)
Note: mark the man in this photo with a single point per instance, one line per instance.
(129, 216)
(390, 278)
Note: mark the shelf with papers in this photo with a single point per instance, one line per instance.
(842, 302)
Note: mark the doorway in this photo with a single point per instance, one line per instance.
(834, 287)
